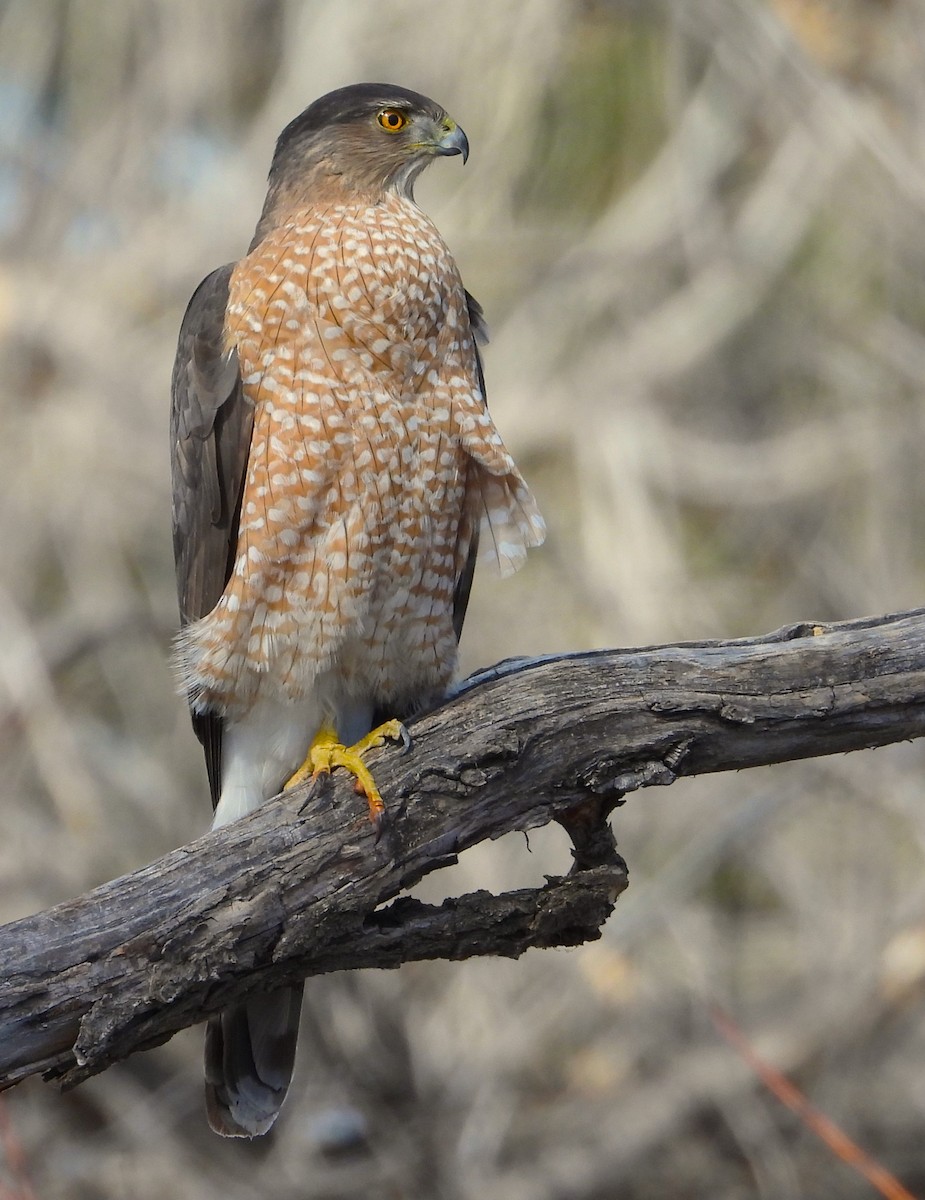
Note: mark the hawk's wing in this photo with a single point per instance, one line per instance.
(210, 433)
(464, 582)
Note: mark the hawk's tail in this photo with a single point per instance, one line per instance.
(250, 1052)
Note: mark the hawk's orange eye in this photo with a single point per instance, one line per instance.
(392, 120)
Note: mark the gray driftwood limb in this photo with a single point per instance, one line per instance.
(300, 887)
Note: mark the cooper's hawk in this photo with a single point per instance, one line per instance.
(333, 462)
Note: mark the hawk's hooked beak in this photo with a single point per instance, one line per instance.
(455, 141)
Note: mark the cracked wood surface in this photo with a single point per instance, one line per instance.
(300, 887)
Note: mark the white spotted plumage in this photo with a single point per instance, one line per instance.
(373, 458)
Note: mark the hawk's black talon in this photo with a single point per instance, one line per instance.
(382, 826)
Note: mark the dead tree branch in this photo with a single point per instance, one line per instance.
(299, 887)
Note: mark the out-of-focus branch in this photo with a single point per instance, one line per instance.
(298, 887)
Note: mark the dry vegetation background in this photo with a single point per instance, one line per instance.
(697, 229)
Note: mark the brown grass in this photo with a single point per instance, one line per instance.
(697, 232)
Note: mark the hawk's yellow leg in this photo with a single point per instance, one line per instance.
(327, 752)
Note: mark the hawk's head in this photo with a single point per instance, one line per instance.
(365, 138)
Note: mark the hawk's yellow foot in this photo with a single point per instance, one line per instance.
(327, 752)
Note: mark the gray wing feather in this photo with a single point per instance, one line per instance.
(464, 582)
(211, 423)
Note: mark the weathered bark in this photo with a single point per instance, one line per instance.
(298, 887)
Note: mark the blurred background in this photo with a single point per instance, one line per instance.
(696, 229)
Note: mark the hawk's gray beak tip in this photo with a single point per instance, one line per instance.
(455, 142)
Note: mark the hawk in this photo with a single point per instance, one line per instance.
(333, 464)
